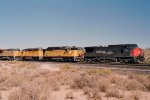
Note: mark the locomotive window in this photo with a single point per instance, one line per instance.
(89, 49)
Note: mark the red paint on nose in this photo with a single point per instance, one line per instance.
(136, 52)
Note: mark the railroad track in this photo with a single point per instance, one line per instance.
(124, 68)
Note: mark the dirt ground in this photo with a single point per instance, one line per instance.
(58, 81)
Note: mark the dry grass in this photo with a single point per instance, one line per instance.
(33, 83)
(147, 55)
(92, 93)
(135, 95)
(0, 95)
(31, 91)
(113, 92)
(36, 86)
(69, 67)
(83, 81)
(91, 85)
(92, 71)
(134, 85)
(140, 81)
(114, 85)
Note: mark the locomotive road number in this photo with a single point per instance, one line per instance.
(104, 52)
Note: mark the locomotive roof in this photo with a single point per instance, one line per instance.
(13, 49)
(30, 49)
(63, 47)
(117, 45)
(130, 45)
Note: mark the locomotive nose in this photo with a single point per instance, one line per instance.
(136, 52)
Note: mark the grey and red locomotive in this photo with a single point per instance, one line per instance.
(126, 53)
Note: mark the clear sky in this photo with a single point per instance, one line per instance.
(43, 23)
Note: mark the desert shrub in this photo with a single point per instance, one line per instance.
(136, 76)
(9, 78)
(31, 91)
(113, 92)
(103, 84)
(4, 75)
(92, 85)
(134, 85)
(135, 95)
(147, 55)
(83, 81)
(115, 79)
(14, 79)
(0, 95)
(92, 71)
(32, 66)
(118, 81)
(33, 74)
(29, 75)
(50, 79)
(66, 66)
(141, 79)
(26, 65)
(67, 78)
(92, 93)
(69, 67)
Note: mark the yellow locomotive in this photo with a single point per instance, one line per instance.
(32, 54)
(66, 53)
(10, 54)
(69, 54)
